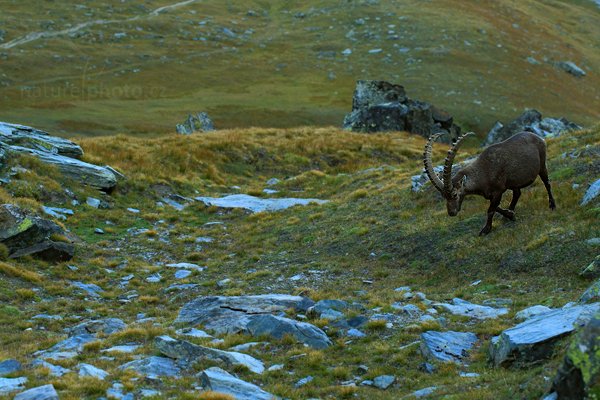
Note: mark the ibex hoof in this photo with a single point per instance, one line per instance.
(552, 206)
(486, 229)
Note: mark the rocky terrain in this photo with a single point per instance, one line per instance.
(282, 241)
(262, 264)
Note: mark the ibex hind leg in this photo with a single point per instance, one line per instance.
(510, 213)
(544, 177)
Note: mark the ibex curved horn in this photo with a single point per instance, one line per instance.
(447, 177)
(435, 180)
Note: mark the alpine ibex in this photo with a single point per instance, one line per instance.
(512, 164)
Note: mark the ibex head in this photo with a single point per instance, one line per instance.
(453, 192)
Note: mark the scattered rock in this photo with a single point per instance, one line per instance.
(532, 312)
(447, 346)
(256, 204)
(66, 349)
(193, 332)
(534, 339)
(123, 348)
(384, 381)
(303, 381)
(187, 266)
(91, 289)
(571, 68)
(190, 353)
(47, 250)
(580, 369)
(55, 370)
(9, 366)
(46, 392)
(153, 367)
(200, 122)
(106, 326)
(382, 106)
(90, 370)
(592, 193)
(530, 120)
(220, 381)
(592, 270)
(56, 212)
(467, 309)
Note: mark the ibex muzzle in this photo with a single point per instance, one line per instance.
(509, 165)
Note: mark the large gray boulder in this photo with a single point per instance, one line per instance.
(579, 372)
(278, 327)
(26, 136)
(253, 315)
(532, 121)
(534, 339)
(189, 353)
(8, 385)
(220, 381)
(447, 346)
(229, 314)
(379, 106)
(25, 234)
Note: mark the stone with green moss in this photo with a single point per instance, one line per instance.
(579, 375)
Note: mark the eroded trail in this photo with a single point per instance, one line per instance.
(30, 37)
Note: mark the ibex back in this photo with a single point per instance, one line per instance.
(509, 165)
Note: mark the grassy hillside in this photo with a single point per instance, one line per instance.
(280, 64)
(373, 236)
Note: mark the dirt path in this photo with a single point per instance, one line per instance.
(30, 37)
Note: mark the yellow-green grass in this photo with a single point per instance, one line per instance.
(466, 57)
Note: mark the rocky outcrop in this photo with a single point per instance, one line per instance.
(46, 392)
(532, 121)
(200, 122)
(153, 367)
(26, 234)
(379, 106)
(253, 315)
(580, 369)
(591, 193)
(26, 136)
(534, 339)
(62, 153)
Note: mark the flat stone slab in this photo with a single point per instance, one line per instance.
(107, 326)
(532, 311)
(190, 353)
(592, 192)
(534, 339)
(8, 385)
(153, 367)
(467, 309)
(447, 346)
(221, 381)
(256, 204)
(55, 370)
(46, 392)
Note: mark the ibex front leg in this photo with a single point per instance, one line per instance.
(494, 203)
